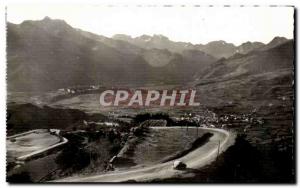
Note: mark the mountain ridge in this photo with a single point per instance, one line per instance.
(218, 49)
(53, 52)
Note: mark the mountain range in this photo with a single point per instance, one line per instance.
(50, 54)
(217, 49)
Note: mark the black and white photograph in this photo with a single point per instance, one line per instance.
(150, 94)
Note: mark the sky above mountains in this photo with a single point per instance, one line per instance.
(189, 24)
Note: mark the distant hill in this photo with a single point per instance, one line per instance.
(256, 81)
(219, 49)
(156, 41)
(261, 61)
(249, 46)
(275, 42)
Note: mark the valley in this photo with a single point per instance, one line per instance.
(246, 94)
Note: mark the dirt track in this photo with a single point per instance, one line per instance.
(194, 160)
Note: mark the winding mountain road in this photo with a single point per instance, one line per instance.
(194, 160)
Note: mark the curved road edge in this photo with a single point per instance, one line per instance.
(196, 159)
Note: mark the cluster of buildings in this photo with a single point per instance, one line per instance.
(78, 89)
